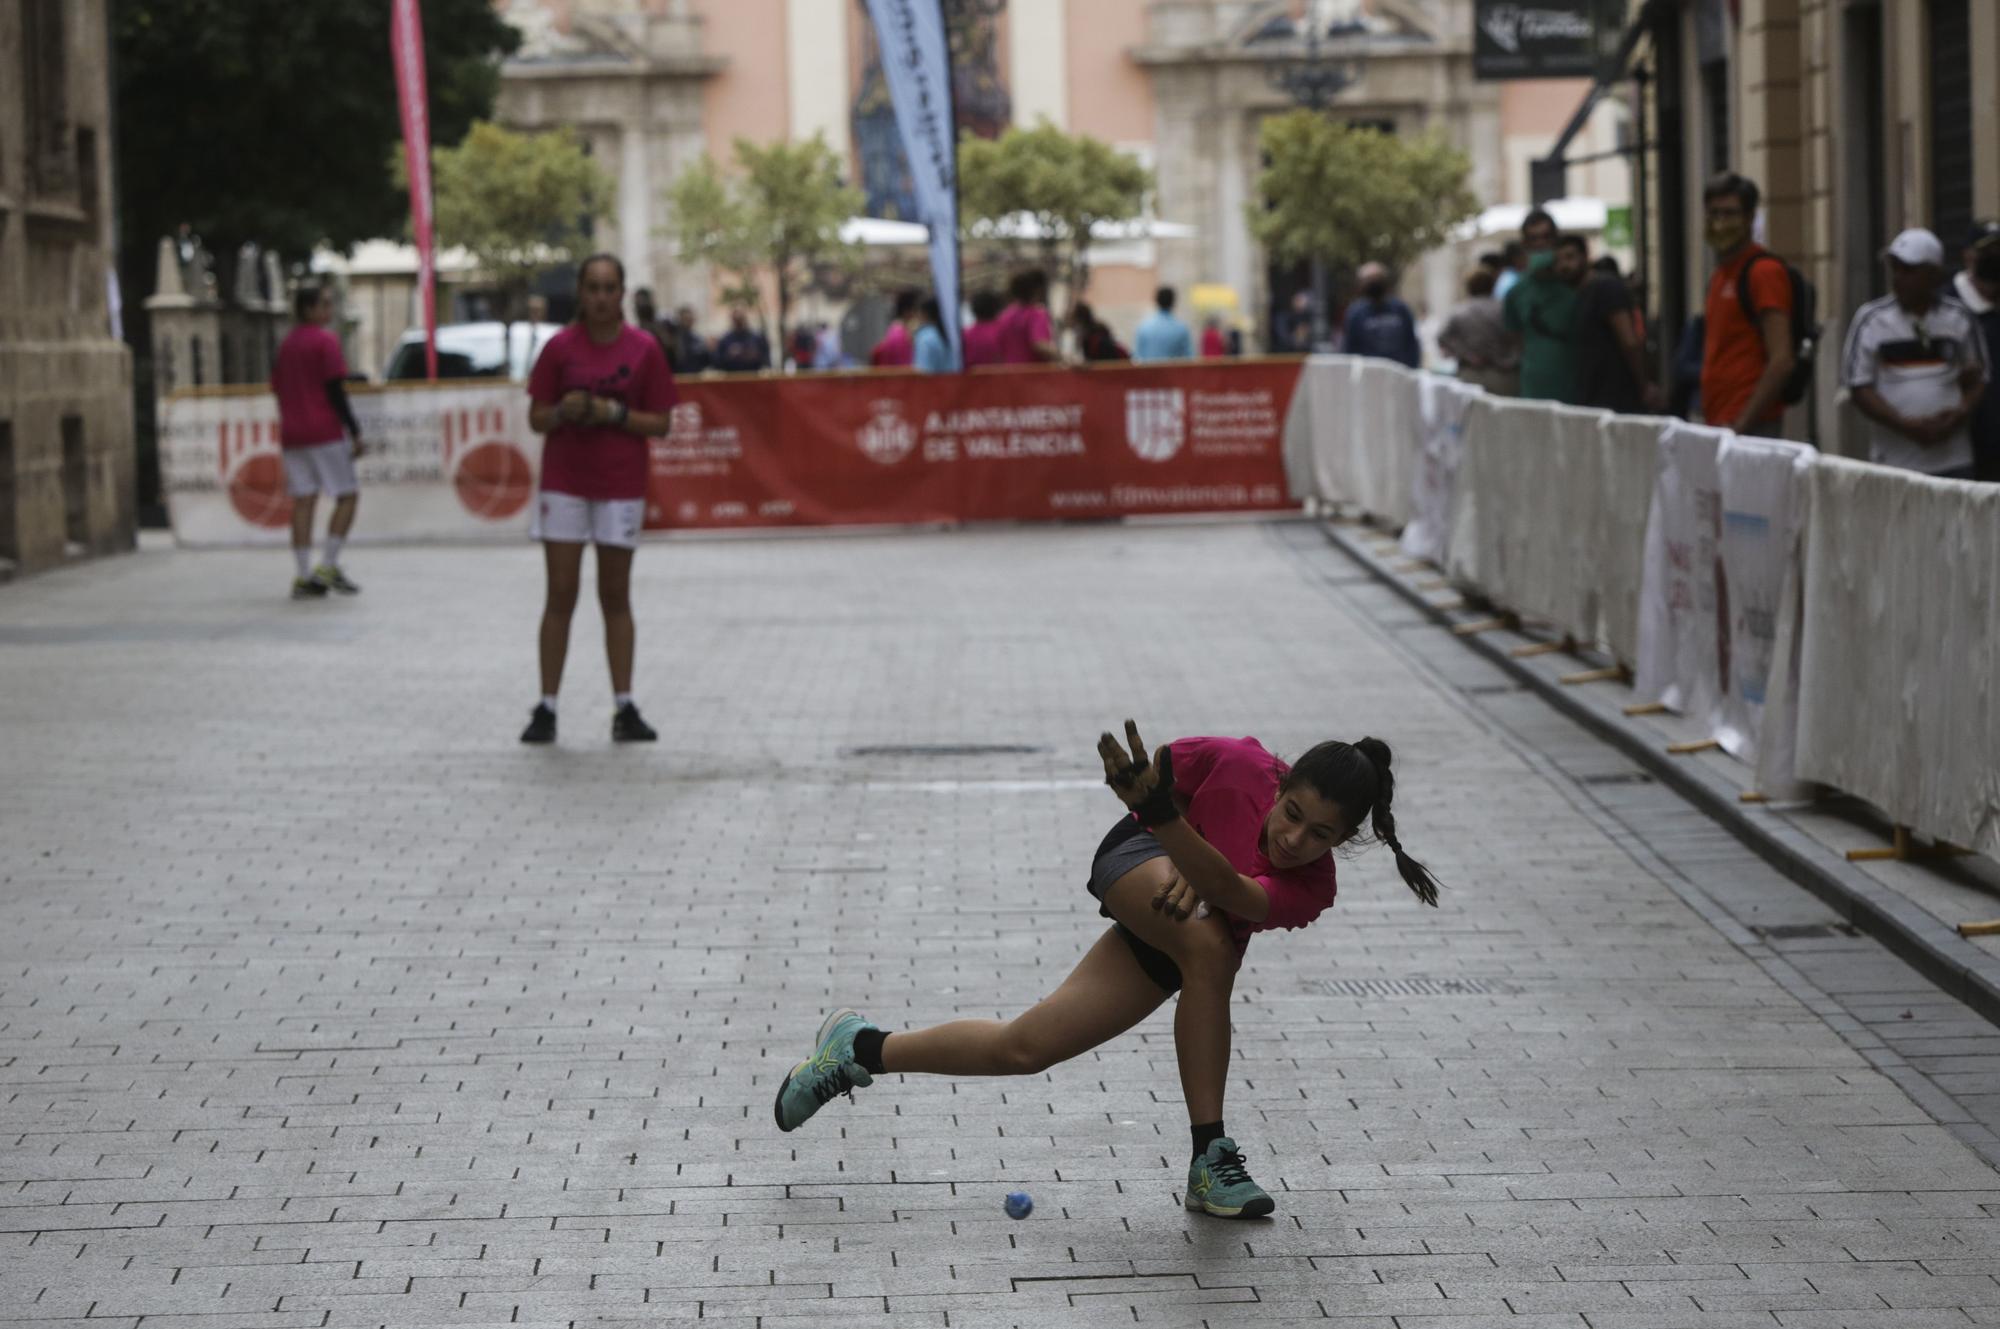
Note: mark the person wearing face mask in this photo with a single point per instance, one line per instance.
(1378, 323)
(1541, 311)
(1745, 361)
(1977, 287)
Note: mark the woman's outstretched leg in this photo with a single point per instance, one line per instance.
(1106, 994)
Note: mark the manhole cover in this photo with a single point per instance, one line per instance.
(1403, 987)
(944, 750)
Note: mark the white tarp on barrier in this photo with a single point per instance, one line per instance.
(1320, 430)
(1680, 638)
(1389, 440)
(1763, 484)
(1628, 448)
(1534, 466)
(450, 463)
(1899, 671)
(1465, 544)
(1441, 405)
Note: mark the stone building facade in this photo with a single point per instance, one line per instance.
(66, 444)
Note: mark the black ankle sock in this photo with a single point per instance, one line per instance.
(868, 1050)
(1205, 1136)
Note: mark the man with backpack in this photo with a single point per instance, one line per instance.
(1751, 364)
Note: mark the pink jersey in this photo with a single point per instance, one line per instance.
(982, 343)
(895, 350)
(1230, 786)
(600, 461)
(308, 359)
(1020, 328)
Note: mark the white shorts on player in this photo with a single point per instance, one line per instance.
(567, 519)
(322, 468)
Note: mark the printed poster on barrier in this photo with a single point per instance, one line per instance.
(1441, 403)
(1762, 483)
(1682, 632)
(453, 463)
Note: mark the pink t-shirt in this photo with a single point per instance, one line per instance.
(982, 343)
(1230, 785)
(600, 461)
(895, 350)
(1020, 328)
(307, 359)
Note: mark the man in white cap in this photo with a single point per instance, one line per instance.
(1916, 364)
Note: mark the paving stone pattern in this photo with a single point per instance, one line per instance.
(324, 1003)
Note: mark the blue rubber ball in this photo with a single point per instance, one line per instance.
(1020, 1204)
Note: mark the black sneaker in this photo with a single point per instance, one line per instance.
(308, 588)
(541, 725)
(334, 579)
(627, 727)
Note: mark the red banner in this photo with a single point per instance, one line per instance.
(812, 450)
(406, 41)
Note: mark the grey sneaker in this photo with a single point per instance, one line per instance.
(830, 1071)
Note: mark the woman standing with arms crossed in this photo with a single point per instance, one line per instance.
(1244, 844)
(599, 389)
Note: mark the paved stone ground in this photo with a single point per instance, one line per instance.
(323, 1003)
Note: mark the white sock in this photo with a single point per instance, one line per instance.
(549, 702)
(333, 544)
(621, 699)
(303, 555)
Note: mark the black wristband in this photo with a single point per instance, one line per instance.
(1158, 808)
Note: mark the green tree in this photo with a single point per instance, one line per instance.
(517, 202)
(268, 120)
(1345, 194)
(1065, 183)
(778, 214)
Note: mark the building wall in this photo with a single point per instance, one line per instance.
(67, 463)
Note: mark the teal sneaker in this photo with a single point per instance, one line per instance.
(831, 1070)
(1218, 1185)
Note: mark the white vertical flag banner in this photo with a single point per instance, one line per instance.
(916, 60)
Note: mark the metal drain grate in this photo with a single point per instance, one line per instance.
(944, 750)
(1404, 987)
(1616, 777)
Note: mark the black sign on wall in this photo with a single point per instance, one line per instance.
(1542, 38)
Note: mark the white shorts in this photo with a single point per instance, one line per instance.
(323, 468)
(567, 519)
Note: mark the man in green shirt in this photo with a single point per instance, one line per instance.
(1541, 310)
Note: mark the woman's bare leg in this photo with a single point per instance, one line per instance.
(1106, 994)
(1207, 957)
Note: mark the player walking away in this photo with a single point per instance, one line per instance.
(320, 441)
(599, 388)
(1242, 845)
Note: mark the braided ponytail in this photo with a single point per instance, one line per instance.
(1357, 777)
(1383, 821)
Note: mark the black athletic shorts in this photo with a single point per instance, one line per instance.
(1126, 846)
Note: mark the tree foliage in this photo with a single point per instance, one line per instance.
(269, 120)
(516, 202)
(1350, 194)
(778, 214)
(1064, 182)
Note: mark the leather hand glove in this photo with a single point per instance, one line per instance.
(1146, 787)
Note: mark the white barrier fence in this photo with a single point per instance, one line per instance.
(1828, 622)
(456, 462)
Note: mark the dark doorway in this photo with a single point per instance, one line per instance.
(1951, 121)
(75, 482)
